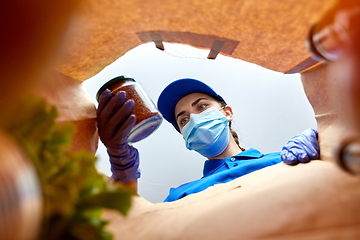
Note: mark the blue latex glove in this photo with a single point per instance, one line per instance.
(301, 148)
(115, 122)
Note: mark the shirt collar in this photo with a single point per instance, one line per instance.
(249, 154)
(212, 165)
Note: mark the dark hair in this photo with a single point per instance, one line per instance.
(233, 133)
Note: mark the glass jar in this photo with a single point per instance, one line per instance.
(148, 118)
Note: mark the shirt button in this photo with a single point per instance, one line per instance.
(235, 164)
(232, 159)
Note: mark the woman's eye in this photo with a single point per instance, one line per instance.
(183, 121)
(202, 107)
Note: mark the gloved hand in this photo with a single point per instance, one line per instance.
(115, 122)
(301, 148)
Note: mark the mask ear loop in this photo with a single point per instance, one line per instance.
(222, 108)
(232, 132)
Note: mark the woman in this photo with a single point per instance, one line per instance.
(204, 119)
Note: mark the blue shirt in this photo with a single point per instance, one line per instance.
(224, 170)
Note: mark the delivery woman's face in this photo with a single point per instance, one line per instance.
(192, 103)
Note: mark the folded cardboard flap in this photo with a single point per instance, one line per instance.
(309, 201)
(325, 87)
(74, 105)
(270, 34)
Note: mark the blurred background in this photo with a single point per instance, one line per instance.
(269, 109)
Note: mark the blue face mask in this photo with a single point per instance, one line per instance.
(207, 132)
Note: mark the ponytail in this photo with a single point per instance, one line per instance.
(236, 137)
(233, 133)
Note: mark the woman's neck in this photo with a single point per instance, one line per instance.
(231, 150)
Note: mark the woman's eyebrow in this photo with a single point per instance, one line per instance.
(196, 102)
(193, 104)
(180, 113)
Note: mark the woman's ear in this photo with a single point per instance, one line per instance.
(228, 113)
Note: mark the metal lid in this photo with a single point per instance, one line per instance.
(110, 82)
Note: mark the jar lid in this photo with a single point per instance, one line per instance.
(110, 82)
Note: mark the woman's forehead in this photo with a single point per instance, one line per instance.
(189, 99)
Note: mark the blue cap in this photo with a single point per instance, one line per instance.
(175, 91)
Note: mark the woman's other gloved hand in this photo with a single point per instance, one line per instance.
(301, 148)
(115, 122)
